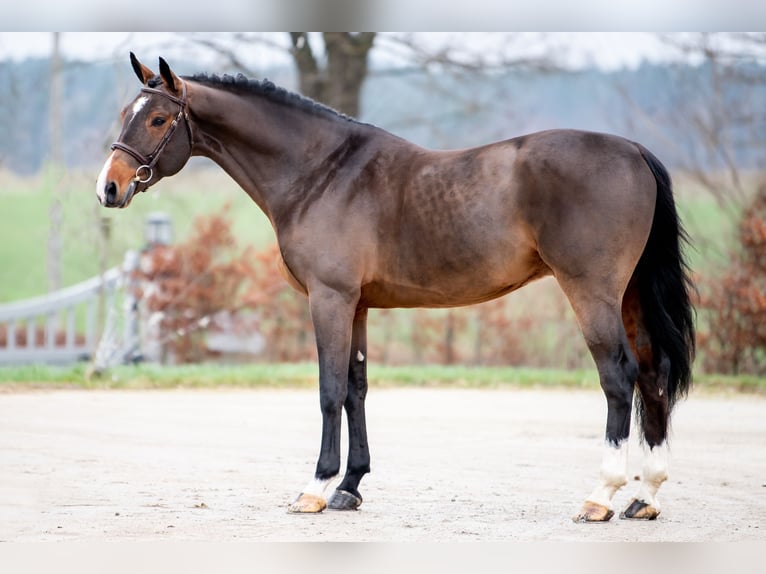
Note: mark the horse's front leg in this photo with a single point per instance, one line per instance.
(332, 313)
(346, 496)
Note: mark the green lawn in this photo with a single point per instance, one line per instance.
(304, 375)
(24, 223)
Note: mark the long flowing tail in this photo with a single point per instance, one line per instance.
(664, 286)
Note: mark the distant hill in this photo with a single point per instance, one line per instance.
(434, 111)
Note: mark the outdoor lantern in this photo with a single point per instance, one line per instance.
(158, 229)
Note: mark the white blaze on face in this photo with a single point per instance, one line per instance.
(101, 182)
(138, 106)
(614, 468)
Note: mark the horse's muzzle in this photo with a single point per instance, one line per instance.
(111, 192)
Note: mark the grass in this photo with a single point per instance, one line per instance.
(304, 375)
(24, 223)
(285, 375)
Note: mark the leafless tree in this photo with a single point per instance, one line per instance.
(55, 168)
(720, 109)
(334, 78)
(339, 83)
(334, 70)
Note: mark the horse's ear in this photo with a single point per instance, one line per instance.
(144, 74)
(171, 81)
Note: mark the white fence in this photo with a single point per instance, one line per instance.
(55, 316)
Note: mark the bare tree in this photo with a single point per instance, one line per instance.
(55, 163)
(720, 109)
(339, 83)
(10, 98)
(470, 52)
(334, 71)
(334, 77)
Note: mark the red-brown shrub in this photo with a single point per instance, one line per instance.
(188, 284)
(734, 340)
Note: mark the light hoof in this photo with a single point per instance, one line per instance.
(307, 504)
(344, 500)
(640, 510)
(593, 512)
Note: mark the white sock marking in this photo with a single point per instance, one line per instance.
(317, 487)
(614, 467)
(655, 472)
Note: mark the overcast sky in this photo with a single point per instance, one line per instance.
(608, 50)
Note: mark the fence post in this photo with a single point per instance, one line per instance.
(131, 333)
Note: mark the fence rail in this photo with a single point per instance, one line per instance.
(55, 315)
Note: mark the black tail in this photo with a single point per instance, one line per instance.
(664, 286)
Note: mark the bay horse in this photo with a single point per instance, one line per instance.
(365, 219)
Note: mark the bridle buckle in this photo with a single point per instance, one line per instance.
(149, 176)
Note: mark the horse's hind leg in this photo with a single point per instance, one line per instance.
(346, 496)
(653, 412)
(598, 314)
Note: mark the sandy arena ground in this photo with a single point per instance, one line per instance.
(222, 465)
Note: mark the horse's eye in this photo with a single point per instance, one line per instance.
(157, 122)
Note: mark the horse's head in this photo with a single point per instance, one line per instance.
(151, 145)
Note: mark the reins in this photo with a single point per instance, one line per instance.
(147, 162)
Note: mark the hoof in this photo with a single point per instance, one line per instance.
(344, 500)
(593, 512)
(640, 510)
(307, 504)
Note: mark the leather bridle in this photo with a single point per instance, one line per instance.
(147, 162)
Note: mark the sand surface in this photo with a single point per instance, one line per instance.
(223, 465)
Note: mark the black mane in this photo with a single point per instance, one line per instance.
(241, 84)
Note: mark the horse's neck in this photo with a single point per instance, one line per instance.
(262, 145)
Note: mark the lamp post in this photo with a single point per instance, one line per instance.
(158, 229)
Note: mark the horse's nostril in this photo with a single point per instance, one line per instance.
(111, 193)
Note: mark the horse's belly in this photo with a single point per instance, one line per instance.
(450, 288)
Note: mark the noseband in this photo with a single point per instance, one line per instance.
(147, 162)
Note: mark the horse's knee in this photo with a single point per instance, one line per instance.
(331, 402)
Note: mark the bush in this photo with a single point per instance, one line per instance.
(208, 283)
(734, 340)
(183, 286)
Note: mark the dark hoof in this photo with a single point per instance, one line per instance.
(343, 500)
(639, 510)
(593, 512)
